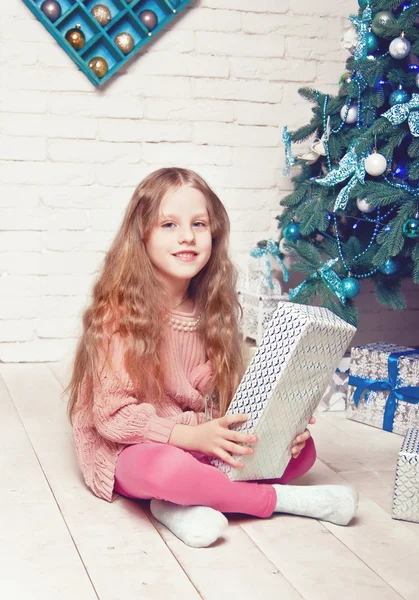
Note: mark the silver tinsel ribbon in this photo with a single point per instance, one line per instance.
(362, 25)
(408, 110)
(271, 249)
(289, 158)
(349, 165)
(330, 278)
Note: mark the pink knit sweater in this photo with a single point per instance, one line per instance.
(116, 419)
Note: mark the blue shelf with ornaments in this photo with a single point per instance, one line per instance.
(100, 37)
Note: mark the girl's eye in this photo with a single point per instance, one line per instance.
(168, 225)
(200, 223)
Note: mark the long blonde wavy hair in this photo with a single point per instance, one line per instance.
(128, 298)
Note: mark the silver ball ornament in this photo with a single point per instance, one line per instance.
(125, 42)
(352, 114)
(149, 19)
(375, 164)
(399, 48)
(364, 206)
(101, 14)
(417, 80)
(51, 9)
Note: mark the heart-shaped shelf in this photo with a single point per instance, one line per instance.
(103, 46)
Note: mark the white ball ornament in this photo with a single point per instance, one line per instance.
(364, 206)
(399, 48)
(417, 80)
(283, 247)
(352, 115)
(375, 164)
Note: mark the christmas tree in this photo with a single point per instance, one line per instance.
(353, 213)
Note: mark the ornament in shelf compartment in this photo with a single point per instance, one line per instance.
(375, 164)
(149, 19)
(101, 21)
(349, 115)
(51, 9)
(99, 66)
(399, 47)
(410, 228)
(125, 42)
(102, 14)
(75, 37)
(364, 206)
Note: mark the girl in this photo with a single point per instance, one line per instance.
(161, 334)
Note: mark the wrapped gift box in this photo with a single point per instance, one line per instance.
(383, 388)
(284, 383)
(406, 487)
(258, 301)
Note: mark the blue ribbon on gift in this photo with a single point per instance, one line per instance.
(397, 392)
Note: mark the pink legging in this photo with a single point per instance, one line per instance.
(154, 470)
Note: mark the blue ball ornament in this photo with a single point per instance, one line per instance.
(291, 232)
(399, 97)
(372, 42)
(351, 287)
(410, 229)
(362, 4)
(390, 267)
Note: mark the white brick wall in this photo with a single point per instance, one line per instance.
(212, 94)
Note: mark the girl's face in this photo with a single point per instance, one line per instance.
(179, 245)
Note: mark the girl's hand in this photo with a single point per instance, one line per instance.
(300, 440)
(214, 438)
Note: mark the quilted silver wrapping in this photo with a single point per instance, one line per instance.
(284, 383)
(371, 362)
(406, 487)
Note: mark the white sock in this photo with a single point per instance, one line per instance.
(196, 526)
(334, 503)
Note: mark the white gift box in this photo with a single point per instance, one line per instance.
(258, 301)
(406, 486)
(284, 383)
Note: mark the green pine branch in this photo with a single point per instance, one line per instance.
(388, 292)
(415, 259)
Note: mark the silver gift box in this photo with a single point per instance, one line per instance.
(406, 487)
(284, 383)
(371, 362)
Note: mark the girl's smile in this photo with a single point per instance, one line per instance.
(186, 256)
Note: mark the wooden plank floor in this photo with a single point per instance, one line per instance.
(58, 541)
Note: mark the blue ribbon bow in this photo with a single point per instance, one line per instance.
(397, 392)
(362, 25)
(408, 110)
(330, 278)
(349, 165)
(271, 249)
